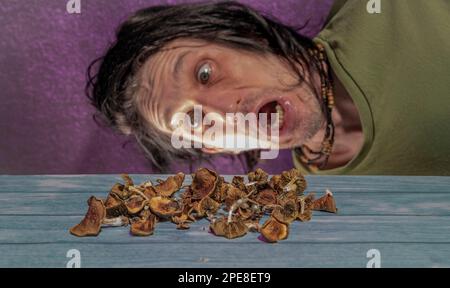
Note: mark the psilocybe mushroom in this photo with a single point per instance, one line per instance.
(233, 209)
(229, 229)
(92, 221)
(171, 185)
(164, 207)
(325, 203)
(274, 230)
(145, 224)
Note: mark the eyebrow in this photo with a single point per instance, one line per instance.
(179, 64)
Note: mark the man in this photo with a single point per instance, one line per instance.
(368, 95)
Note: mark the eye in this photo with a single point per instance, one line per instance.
(204, 73)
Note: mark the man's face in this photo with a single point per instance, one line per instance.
(222, 79)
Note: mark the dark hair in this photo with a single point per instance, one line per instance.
(149, 30)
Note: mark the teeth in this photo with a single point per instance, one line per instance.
(280, 113)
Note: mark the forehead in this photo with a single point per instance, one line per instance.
(176, 47)
(168, 60)
(187, 42)
(181, 45)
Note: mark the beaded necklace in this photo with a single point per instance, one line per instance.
(318, 159)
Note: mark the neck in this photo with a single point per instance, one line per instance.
(348, 137)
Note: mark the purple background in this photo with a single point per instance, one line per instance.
(46, 124)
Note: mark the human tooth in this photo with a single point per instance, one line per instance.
(280, 113)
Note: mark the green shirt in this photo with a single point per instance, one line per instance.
(396, 67)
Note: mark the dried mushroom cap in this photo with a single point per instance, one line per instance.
(252, 225)
(145, 225)
(149, 192)
(233, 194)
(230, 230)
(137, 190)
(245, 212)
(239, 182)
(164, 207)
(204, 183)
(286, 213)
(112, 200)
(92, 221)
(305, 216)
(294, 177)
(221, 190)
(135, 204)
(266, 197)
(291, 180)
(171, 185)
(276, 183)
(119, 190)
(259, 176)
(305, 202)
(182, 221)
(273, 230)
(127, 179)
(325, 203)
(183, 226)
(207, 206)
(116, 211)
(290, 186)
(286, 197)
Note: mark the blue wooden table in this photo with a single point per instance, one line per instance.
(406, 219)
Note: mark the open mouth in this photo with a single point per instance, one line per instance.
(273, 109)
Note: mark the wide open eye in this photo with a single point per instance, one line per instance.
(204, 73)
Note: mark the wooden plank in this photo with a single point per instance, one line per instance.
(183, 255)
(102, 183)
(323, 229)
(406, 218)
(349, 203)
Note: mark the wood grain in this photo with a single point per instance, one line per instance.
(406, 218)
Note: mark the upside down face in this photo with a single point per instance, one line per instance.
(222, 80)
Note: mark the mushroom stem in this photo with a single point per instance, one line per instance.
(232, 209)
(238, 204)
(137, 191)
(271, 206)
(251, 201)
(115, 222)
(290, 184)
(146, 184)
(253, 226)
(302, 204)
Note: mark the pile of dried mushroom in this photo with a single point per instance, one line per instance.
(233, 209)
